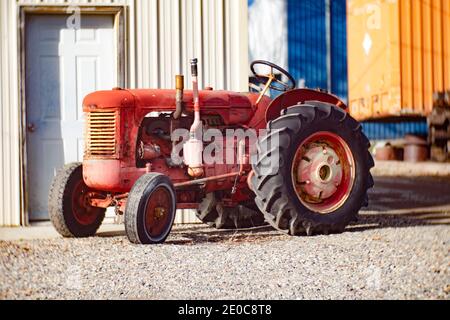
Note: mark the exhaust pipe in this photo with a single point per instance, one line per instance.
(197, 122)
(179, 86)
(193, 148)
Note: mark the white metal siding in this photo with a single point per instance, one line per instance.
(9, 140)
(163, 35)
(214, 31)
(71, 2)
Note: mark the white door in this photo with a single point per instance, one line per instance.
(62, 66)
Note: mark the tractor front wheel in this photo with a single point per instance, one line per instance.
(150, 210)
(69, 210)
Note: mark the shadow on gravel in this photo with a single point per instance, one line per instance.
(406, 202)
(366, 221)
(200, 234)
(407, 193)
(399, 220)
(111, 234)
(394, 203)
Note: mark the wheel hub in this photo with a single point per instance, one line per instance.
(323, 172)
(319, 172)
(82, 211)
(158, 211)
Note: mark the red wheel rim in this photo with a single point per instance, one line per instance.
(158, 212)
(323, 172)
(83, 213)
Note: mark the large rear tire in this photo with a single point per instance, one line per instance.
(69, 210)
(324, 170)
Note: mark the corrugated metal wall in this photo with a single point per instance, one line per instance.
(159, 30)
(212, 31)
(9, 128)
(339, 81)
(399, 53)
(424, 52)
(319, 60)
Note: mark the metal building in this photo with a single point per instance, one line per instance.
(307, 37)
(53, 52)
(317, 44)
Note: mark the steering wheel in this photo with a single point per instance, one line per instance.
(270, 78)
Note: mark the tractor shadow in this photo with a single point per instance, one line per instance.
(399, 219)
(405, 202)
(394, 203)
(111, 234)
(202, 234)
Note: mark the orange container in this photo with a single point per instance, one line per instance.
(398, 55)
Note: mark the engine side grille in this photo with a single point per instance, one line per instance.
(101, 134)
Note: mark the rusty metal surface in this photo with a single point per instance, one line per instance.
(439, 127)
(323, 172)
(415, 140)
(158, 212)
(398, 56)
(294, 97)
(385, 153)
(233, 107)
(205, 180)
(415, 149)
(101, 134)
(112, 164)
(415, 153)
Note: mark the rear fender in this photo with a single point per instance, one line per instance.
(294, 97)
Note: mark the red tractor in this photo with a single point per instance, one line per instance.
(306, 172)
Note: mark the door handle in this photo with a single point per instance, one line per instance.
(31, 127)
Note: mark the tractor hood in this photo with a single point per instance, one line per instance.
(161, 98)
(111, 99)
(232, 106)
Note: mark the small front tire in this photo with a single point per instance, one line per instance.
(150, 210)
(69, 210)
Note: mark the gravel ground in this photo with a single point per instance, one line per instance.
(389, 254)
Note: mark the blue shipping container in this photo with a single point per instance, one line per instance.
(394, 130)
(317, 44)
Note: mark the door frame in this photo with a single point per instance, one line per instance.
(120, 15)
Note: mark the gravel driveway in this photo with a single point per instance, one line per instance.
(392, 253)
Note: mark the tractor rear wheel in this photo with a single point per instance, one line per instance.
(313, 170)
(68, 206)
(150, 210)
(213, 213)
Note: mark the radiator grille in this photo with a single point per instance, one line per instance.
(101, 134)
